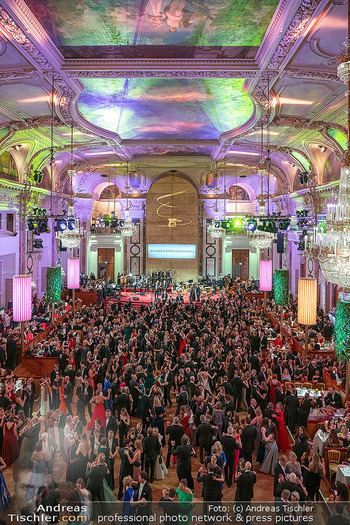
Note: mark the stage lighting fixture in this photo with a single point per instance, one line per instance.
(251, 225)
(30, 225)
(61, 225)
(237, 222)
(71, 224)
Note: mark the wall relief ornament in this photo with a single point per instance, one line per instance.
(297, 26)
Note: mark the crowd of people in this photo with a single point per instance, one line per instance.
(138, 391)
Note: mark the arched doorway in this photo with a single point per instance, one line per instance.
(172, 227)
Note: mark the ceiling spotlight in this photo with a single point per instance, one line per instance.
(322, 148)
(30, 225)
(71, 224)
(61, 225)
(251, 225)
(17, 147)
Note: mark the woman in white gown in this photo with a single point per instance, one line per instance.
(45, 395)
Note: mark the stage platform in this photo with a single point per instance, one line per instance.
(137, 299)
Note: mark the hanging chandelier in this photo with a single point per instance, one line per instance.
(68, 230)
(215, 230)
(258, 238)
(333, 250)
(128, 228)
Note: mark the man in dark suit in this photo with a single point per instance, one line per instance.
(151, 449)
(68, 394)
(333, 398)
(87, 396)
(211, 486)
(237, 390)
(170, 507)
(144, 496)
(175, 433)
(112, 444)
(229, 446)
(279, 473)
(95, 476)
(182, 399)
(248, 438)
(252, 408)
(255, 342)
(245, 488)
(51, 499)
(111, 422)
(205, 437)
(122, 401)
(291, 410)
(167, 382)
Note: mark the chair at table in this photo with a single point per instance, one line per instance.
(308, 386)
(333, 462)
(320, 386)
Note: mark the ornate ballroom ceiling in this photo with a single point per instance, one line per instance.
(173, 84)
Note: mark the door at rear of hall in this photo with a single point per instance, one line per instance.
(106, 263)
(240, 264)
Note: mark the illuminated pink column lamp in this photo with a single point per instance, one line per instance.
(307, 305)
(22, 303)
(265, 276)
(73, 276)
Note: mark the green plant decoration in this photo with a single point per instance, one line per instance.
(281, 287)
(53, 285)
(342, 330)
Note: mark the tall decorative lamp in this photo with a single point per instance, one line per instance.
(265, 276)
(342, 338)
(22, 303)
(281, 290)
(307, 305)
(53, 287)
(73, 276)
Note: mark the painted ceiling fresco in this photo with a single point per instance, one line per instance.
(171, 108)
(155, 22)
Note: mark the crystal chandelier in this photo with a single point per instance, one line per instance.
(127, 230)
(260, 239)
(72, 235)
(333, 252)
(215, 229)
(71, 238)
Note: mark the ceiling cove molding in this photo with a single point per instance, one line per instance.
(302, 123)
(165, 73)
(18, 22)
(300, 24)
(314, 75)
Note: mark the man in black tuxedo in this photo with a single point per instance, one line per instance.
(61, 423)
(95, 477)
(68, 394)
(151, 449)
(78, 425)
(122, 401)
(248, 438)
(255, 342)
(175, 433)
(333, 398)
(279, 473)
(205, 437)
(252, 408)
(111, 422)
(51, 499)
(87, 395)
(211, 486)
(229, 446)
(291, 410)
(144, 496)
(182, 399)
(245, 488)
(170, 507)
(112, 444)
(167, 382)
(237, 390)
(245, 484)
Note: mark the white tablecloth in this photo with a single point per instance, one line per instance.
(343, 475)
(319, 440)
(313, 393)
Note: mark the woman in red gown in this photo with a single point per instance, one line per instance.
(273, 384)
(282, 438)
(99, 410)
(185, 421)
(10, 450)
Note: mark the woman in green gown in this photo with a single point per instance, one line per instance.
(185, 499)
(103, 448)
